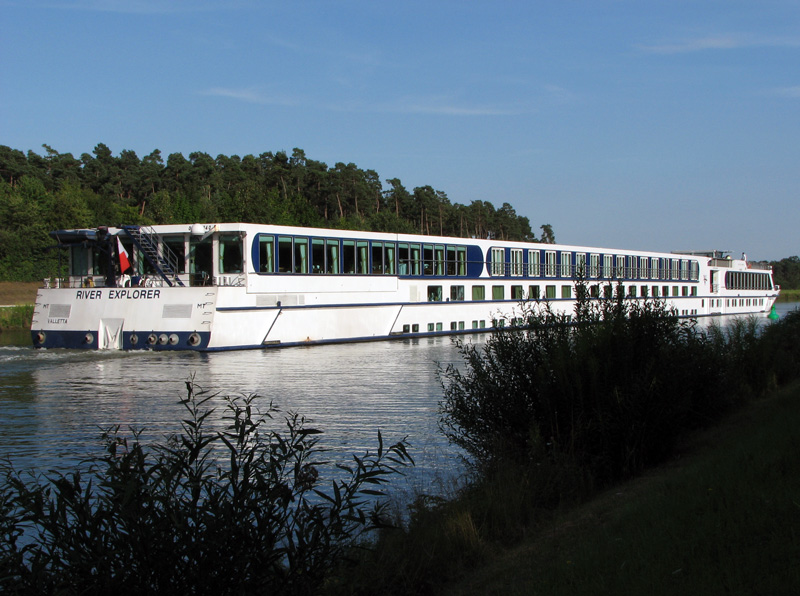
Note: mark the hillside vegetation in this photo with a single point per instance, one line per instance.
(57, 191)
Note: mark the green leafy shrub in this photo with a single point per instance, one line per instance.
(610, 388)
(237, 511)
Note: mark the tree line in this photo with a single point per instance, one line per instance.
(40, 193)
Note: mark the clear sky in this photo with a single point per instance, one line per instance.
(635, 124)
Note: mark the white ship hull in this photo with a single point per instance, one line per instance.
(249, 308)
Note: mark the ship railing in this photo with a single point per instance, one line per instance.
(760, 266)
(233, 280)
(98, 281)
(160, 257)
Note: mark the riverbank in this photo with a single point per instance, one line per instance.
(721, 518)
(16, 304)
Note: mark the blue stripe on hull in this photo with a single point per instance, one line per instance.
(131, 340)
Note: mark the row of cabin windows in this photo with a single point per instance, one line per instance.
(570, 264)
(518, 292)
(717, 302)
(747, 280)
(454, 326)
(296, 254)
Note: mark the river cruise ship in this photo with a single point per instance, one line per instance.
(233, 286)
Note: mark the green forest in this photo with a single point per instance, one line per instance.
(41, 193)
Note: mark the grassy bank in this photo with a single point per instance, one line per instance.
(721, 519)
(18, 293)
(16, 304)
(789, 296)
(16, 317)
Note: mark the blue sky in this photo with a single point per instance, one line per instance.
(634, 124)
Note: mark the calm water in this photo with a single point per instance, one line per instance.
(53, 404)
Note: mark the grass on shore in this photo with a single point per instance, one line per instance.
(18, 292)
(19, 296)
(724, 519)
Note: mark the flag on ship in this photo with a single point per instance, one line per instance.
(124, 261)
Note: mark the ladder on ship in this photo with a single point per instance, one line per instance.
(163, 260)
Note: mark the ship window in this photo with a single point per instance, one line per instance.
(580, 264)
(451, 260)
(363, 257)
(230, 254)
(517, 293)
(284, 254)
(349, 256)
(201, 262)
(498, 258)
(566, 263)
(79, 261)
(461, 256)
(389, 259)
(457, 293)
(498, 293)
(594, 265)
(438, 252)
(434, 293)
(427, 259)
(643, 269)
(266, 253)
(318, 255)
(533, 263)
(332, 256)
(176, 246)
(655, 291)
(620, 272)
(300, 255)
(516, 262)
(377, 258)
(403, 259)
(478, 293)
(550, 263)
(533, 292)
(608, 291)
(644, 291)
(550, 292)
(416, 259)
(566, 291)
(632, 291)
(607, 266)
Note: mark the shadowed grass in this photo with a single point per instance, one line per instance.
(727, 521)
(16, 317)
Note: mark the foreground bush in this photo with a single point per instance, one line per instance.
(241, 511)
(555, 407)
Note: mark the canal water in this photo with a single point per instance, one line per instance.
(55, 403)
